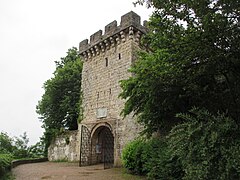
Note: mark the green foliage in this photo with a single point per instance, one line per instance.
(5, 163)
(208, 146)
(131, 156)
(21, 146)
(59, 107)
(152, 93)
(191, 59)
(159, 162)
(37, 150)
(61, 160)
(5, 143)
(8, 176)
(204, 146)
(18, 147)
(151, 158)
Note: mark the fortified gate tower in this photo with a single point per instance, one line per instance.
(107, 58)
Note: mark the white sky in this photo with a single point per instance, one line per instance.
(34, 34)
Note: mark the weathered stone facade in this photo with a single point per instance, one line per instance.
(107, 58)
(65, 147)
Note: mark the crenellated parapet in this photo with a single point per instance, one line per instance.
(130, 28)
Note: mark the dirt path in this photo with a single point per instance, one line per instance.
(68, 171)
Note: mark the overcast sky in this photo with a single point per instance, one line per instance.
(34, 34)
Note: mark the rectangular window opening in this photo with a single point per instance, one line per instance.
(119, 56)
(106, 62)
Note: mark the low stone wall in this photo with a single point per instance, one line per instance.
(65, 147)
(27, 161)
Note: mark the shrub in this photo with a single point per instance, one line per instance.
(205, 146)
(5, 163)
(208, 146)
(151, 158)
(132, 157)
(159, 163)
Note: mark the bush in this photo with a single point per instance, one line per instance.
(132, 157)
(5, 163)
(208, 146)
(151, 158)
(203, 147)
(159, 162)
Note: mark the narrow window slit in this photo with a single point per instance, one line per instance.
(106, 62)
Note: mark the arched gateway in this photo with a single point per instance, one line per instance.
(97, 147)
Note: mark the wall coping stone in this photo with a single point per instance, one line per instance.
(16, 163)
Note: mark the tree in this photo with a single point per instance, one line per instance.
(192, 59)
(21, 146)
(37, 150)
(18, 147)
(5, 143)
(207, 145)
(59, 107)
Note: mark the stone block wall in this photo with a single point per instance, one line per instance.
(65, 147)
(107, 60)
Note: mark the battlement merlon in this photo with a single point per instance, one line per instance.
(130, 24)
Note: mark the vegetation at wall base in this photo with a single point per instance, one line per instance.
(151, 158)
(207, 145)
(5, 163)
(204, 146)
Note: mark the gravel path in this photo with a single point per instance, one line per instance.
(68, 171)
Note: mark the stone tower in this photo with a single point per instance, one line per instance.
(107, 58)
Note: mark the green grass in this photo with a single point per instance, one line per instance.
(60, 160)
(127, 176)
